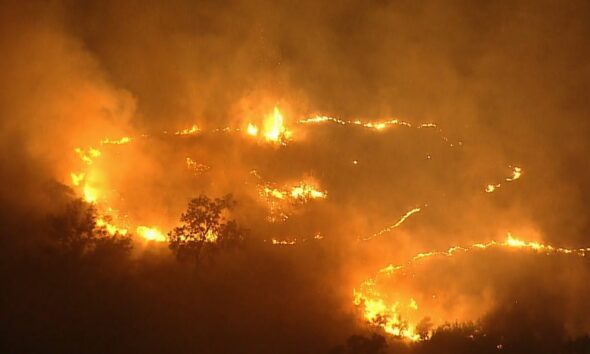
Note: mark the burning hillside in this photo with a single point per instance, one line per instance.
(267, 177)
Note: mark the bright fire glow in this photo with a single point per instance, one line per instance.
(88, 155)
(305, 191)
(77, 178)
(188, 131)
(492, 187)
(111, 229)
(301, 192)
(394, 226)
(378, 312)
(151, 234)
(121, 141)
(273, 128)
(252, 129)
(516, 174)
(378, 125)
(90, 194)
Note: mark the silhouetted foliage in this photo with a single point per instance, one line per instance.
(77, 232)
(580, 345)
(357, 344)
(205, 229)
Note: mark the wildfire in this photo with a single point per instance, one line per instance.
(492, 187)
(516, 174)
(281, 200)
(394, 226)
(274, 129)
(151, 234)
(121, 141)
(90, 194)
(300, 192)
(378, 125)
(77, 178)
(252, 129)
(110, 228)
(188, 131)
(196, 167)
(287, 241)
(304, 191)
(284, 242)
(388, 317)
(87, 155)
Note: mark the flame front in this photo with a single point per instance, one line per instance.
(188, 131)
(151, 234)
(392, 317)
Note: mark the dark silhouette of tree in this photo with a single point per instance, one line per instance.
(358, 344)
(579, 345)
(205, 229)
(77, 233)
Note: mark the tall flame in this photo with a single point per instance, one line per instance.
(274, 126)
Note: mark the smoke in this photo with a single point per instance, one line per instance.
(504, 83)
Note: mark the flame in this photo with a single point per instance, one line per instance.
(516, 174)
(305, 191)
(111, 229)
(387, 317)
(87, 156)
(197, 168)
(123, 140)
(297, 194)
(492, 187)
(90, 194)
(274, 126)
(151, 234)
(377, 312)
(281, 200)
(291, 241)
(188, 131)
(286, 242)
(211, 236)
(378, 125)
(275, 193)
(252, 129)
(396, 225)
(77, 178)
